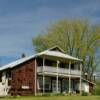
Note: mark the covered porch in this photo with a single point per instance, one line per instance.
(63, 86)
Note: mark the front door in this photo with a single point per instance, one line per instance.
(54, 86)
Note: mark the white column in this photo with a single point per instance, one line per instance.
(80, 78)
(43, 75)
(57, 77)
(69, 77)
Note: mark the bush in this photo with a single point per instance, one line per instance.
(84, 93)
(97, 91)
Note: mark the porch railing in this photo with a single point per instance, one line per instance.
(51, 69)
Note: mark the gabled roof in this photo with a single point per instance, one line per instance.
(54, 52)
(58, 54)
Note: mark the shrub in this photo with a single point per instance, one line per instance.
(97, 91)
(84, 93)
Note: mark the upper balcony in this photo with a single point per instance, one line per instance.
(59, 71)
(61, 67)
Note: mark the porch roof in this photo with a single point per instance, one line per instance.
(58, 55)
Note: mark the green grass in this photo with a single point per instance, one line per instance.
(53, 98)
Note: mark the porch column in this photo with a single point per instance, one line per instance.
(43, 75)
(57, 77)
(69, 77)
(80, 78)
(35, 78)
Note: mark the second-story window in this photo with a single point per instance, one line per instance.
(63, 65)
(50, 63)
(72, 66)
(40, 62)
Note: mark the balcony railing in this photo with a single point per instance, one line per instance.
(64, 71)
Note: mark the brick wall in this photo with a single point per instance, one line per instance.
(23, 75)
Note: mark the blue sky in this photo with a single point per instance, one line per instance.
(21, 20)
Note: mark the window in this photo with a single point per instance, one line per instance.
(72, 66)
(50, 63)
(47, 83)
(65, 85)
(40, 62)
(40, 81)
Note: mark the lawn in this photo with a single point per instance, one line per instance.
(53, 98)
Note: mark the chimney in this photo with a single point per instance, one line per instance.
(23, 55)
